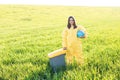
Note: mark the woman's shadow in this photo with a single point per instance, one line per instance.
(50, 74)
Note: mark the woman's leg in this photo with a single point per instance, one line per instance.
(68, 56)
(77, 53)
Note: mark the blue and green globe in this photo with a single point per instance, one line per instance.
(80, 33)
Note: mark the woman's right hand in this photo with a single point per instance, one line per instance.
(65, 48)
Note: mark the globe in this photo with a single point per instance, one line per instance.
(80, 33)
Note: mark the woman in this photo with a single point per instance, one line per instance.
(71, 43)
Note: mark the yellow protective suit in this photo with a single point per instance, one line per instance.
(73, 44)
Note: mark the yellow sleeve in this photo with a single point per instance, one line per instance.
(64, 38)
(82, 28)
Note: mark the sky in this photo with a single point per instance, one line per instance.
(65, 2)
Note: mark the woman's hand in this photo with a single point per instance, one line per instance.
(83, 37)
(65, 48)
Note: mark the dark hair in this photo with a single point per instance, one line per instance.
(69, 25)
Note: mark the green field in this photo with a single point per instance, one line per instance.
(29, 33)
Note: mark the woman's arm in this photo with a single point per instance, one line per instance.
(64, 39)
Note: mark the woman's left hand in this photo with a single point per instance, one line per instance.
(82, 37)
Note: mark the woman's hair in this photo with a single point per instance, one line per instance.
(69, 25)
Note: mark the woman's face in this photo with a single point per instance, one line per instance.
(71, 21)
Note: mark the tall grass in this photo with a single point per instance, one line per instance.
(29, 33)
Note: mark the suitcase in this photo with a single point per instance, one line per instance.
(57, 59)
